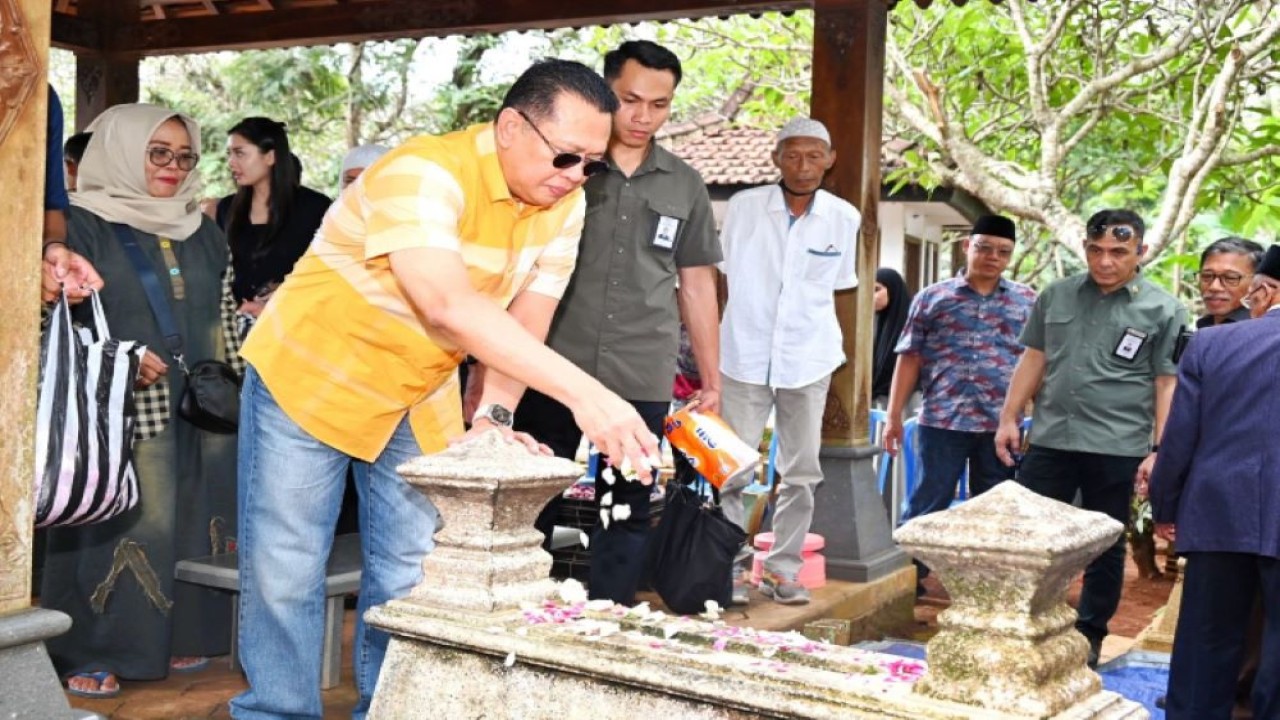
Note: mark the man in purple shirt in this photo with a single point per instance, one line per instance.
(961, 344)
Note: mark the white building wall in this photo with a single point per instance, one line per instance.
(892, 235)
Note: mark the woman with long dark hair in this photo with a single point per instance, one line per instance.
(272, 217)
(892, 300)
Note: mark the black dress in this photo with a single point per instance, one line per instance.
(256, 268)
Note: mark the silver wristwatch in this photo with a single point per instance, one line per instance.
(495, 414)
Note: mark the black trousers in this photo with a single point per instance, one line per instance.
(1218, 593)
(617, 552)
(1105, 483)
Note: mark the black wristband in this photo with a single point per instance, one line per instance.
(1155, 448)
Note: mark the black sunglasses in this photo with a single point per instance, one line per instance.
(1123, 233)
(566, 160)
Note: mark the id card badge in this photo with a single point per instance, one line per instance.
(664, 236)
(1130, 344)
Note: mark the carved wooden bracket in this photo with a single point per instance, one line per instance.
(19, 66)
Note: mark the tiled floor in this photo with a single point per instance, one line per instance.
(205, 694)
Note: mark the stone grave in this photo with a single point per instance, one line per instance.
(487, 635)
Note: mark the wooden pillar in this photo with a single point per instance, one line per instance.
(105, 78)
(23, 101)
(102, 81)
(848, 96)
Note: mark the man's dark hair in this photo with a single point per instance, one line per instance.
(1235, 245)
(73, 148)
(648, 54)
(534, 93)
(1103, 219)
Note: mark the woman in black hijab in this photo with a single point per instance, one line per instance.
(892, 302)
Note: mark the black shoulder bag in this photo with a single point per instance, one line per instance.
(211, 400)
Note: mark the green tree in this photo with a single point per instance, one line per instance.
(1050, 111)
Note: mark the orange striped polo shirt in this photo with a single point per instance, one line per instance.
(340, 346)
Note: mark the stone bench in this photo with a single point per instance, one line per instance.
(342, 576)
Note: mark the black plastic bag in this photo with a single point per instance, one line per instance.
(691, 552)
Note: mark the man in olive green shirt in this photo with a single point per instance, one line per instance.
(649, 223)
(1099, 364)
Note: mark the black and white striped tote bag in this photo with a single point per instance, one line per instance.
(84, 421)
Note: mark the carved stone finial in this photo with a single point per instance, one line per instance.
(1008, 640)
(488, 556)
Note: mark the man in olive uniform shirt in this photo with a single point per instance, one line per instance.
(649, 223)
(1099, 363)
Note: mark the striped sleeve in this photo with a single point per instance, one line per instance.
(555, 264)
(410, 202)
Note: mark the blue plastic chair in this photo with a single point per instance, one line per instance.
(912, 469)
(877, 422)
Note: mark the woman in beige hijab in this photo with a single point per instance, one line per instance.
(115, 579)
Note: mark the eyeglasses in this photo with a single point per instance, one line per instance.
(1230, 279)
(163, 157)
(1123, 233)
(992, 251)
(566, 160)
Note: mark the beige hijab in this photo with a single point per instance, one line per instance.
(113, 182)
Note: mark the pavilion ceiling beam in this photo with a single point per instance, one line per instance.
(356, 21)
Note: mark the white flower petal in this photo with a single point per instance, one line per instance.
(584, 539)
(621, 512)
(604, 518)
(606, 500)
(511, 659)
(572, 592)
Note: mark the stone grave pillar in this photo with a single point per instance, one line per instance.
(1008, 641)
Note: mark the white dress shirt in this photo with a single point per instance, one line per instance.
(780, 327)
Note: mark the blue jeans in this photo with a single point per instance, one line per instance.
(943, 454)
(290, 493)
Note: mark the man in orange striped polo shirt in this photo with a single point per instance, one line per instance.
(447, 246)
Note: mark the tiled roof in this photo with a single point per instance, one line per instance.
(727, 155)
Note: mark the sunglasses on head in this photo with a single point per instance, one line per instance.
(566, 160)
(1123, 233)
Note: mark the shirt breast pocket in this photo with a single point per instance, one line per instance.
(1127, 346)
(667, 222)
(1057, 333)
(821, 263)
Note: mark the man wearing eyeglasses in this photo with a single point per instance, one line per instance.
(1226, 271)
(960, 344)
(451, 245)
(1099, 364)
(1215, 492)
(649, 228)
